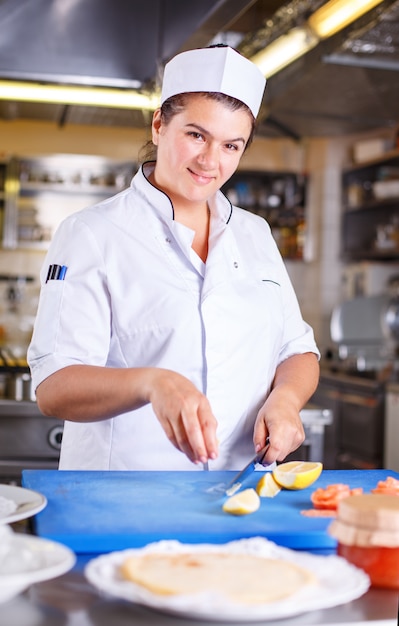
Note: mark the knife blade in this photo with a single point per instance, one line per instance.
(237, 481)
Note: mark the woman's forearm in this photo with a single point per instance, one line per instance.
(297, 377)
(86, 393)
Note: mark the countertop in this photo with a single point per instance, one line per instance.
(70, 600)
(360, 379)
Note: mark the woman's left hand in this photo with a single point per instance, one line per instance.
(295, 381)
(282, 424)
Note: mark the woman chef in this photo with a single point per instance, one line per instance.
(166, 315)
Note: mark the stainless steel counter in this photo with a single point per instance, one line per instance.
(70, 600)
(366, 379)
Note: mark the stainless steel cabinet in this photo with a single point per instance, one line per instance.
(355, 439)
(28, 440)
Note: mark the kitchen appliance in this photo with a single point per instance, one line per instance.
(365, 331)
(28, 439)
(355, 437)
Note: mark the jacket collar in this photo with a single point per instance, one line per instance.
(219, 205)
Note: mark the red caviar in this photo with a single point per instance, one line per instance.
(380, 563)
(367, 531)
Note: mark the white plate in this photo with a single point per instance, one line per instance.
(25, 560)
(339, 582)
(28, 503)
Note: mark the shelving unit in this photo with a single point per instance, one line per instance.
(43, 191)
(370, 218)
(279, 197)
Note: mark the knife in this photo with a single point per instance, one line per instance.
(237, 481)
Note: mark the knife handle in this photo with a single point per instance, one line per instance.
(262, 453)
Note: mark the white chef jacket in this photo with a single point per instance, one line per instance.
(135, 294)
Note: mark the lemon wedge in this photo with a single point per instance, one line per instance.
(297, 474)
(242, 503)
(267, 486)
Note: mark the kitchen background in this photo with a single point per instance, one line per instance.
(323, 169)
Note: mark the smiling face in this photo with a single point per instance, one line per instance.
(199, 149)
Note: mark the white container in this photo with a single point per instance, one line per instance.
(367, 279)
(383, 189)
(371, 149)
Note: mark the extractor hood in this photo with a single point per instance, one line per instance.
(348, 83)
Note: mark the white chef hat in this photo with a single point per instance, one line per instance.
(218, 69)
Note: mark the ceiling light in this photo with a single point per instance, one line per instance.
(284, 50)
(85, 96)
(337, 14)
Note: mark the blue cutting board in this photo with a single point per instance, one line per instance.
(98, 512)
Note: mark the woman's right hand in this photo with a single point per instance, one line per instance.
(185, 415)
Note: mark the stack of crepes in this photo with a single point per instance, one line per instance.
(243, 578)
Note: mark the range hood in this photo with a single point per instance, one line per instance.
(347, 84)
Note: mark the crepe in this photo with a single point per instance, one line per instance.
(242, 578)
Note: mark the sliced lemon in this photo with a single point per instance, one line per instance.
(297, 474)
(242, 503)
(267, 486)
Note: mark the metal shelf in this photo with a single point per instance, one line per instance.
(31, 215)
